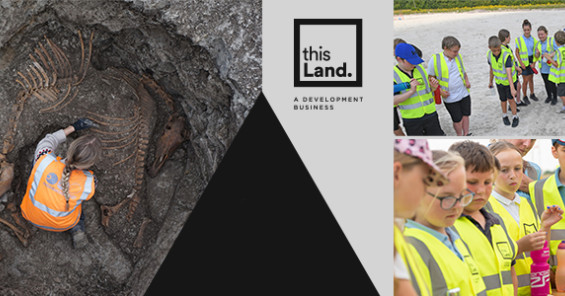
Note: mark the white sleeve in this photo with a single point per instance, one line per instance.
(400, 270)
(49, 143)
(431, 66)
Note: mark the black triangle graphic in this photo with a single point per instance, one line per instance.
(262, 227)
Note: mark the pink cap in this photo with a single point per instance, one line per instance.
(419, 148)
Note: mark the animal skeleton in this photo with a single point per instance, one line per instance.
(50, 78)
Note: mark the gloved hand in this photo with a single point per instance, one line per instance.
(83, 123)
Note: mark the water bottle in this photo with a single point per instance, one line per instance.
(401, 86)
(560, 272)
(539, 274)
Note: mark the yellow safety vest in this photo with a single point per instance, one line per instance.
(499, 67)
(523, 49)
(557, 75)
(422, 101)
(441, 72)
(529, 223)
(545, 193)
(493, 258)
(409, 256)
(442, 269)
(548, 48)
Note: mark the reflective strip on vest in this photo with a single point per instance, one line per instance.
(439, 286)
(443, 81)
(558, 234)
(37, 178)
(483, 293)
(523, 255)
(415, 105)
(506, 277)
(492, 281)
(523, 280)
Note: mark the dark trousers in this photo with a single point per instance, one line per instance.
(550, 87)
(426, 126)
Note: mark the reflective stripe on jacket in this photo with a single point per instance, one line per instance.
(545, 193)
(441, 72)
(443, 269)
(44, 203)
(499, 67)
(523, 49)
(408, 255)
(557, 74)
(493, 258)
(529, 223)
(422, 101)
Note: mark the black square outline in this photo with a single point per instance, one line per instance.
(359, 52)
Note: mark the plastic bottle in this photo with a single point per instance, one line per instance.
(401, 86)
(539, 274)
(560, 272)
(437, 96)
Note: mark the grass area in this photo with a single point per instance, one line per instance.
(489, 7)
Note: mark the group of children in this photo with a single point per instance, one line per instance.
(462, 226)
(446, 71)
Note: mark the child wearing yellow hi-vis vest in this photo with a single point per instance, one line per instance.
(414, 171)
(527, 54)
(447, 67)
(547, 45)
(444, 258)
(549, 192)
(484, 232)
(557, 71)
(521, 220)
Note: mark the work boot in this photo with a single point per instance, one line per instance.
(526, 100)
(79, 239)
(533, 97)
(554, 100)
(515, 121)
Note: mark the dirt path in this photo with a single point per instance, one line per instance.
(473, 29)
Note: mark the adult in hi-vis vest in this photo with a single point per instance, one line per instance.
(416, 105)
(521, 220)
(443, 257)
(447, 67)
(550, 192)
(527, 54)
(414, 170)
(57, 187)
(484, 232)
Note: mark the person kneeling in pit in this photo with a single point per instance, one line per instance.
(57, 187)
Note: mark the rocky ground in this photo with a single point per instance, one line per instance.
(205, 55)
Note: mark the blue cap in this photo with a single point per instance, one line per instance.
(558, 141)
(408, 52)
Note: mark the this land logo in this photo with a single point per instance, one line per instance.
(328, 52)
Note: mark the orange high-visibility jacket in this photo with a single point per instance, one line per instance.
(44, 203)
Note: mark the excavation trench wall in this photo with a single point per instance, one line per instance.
(204, 55)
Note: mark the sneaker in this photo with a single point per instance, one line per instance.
(548, 99)
(506, 120)
(553, 100)
(469, 134)
(533, 97)
(521, 104)
(79, 239)
(517, 110)
(515, 121)
(526, 100)
(561, 111)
